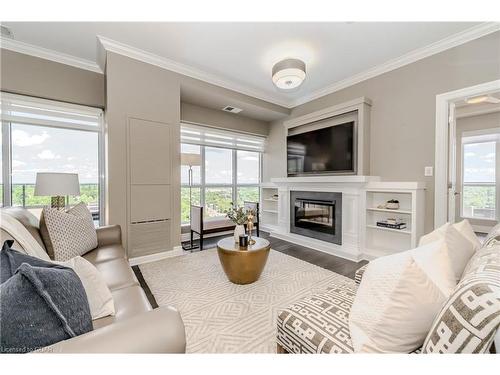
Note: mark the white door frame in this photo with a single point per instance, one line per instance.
(441, 147)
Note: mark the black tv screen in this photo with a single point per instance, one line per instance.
(322, 151)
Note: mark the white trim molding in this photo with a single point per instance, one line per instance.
(48, 54)
(189, 71)
(406, 59)
(105, 44)
(442, 148)
(177, 251)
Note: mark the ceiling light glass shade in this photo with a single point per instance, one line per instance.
(476, 99)
(289, 74)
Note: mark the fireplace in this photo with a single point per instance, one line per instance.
(317, 215)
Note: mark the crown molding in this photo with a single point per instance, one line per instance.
(106, 44)
(411, 57)
(48, 54)
(174, 66)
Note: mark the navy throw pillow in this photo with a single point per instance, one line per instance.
(11, 259)
(41, 306)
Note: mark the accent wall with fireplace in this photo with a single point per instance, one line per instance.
(329, 201)
(338, 214)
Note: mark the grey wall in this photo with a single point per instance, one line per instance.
(403, 111)
(33, 76)
(139, 90)
(217, 118)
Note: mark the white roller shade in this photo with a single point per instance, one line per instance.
(28, 110)
(206, 136)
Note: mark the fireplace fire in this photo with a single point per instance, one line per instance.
(317, 215)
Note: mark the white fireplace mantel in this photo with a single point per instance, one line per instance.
(354, 189)
(345, 179)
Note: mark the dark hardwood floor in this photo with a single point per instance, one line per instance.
(330, 262)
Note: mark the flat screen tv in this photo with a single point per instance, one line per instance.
(328, 150)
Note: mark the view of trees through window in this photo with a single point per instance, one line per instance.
(225, 176)
(49, 149)
(479, 176)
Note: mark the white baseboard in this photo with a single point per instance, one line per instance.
(176, 251)
(314, 244)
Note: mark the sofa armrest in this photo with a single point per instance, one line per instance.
(156, 331)
(359, 274)
(109, 235)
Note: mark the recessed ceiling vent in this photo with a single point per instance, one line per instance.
(6, 32)
(228, 108)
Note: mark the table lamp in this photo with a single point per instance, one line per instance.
(58, 186)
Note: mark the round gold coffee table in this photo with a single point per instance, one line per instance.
(243, 266)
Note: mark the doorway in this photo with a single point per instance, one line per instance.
(467, 184)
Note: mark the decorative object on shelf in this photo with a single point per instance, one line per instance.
(289, 73)
(392, 204)
(243, 241)
(57, 185)
(275, 197)
(238, 216)
(387, 224)
(192, 160)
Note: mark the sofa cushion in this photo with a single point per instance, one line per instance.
(319, 323)
(398, 299)
(470, 318)
(68, 234)
(41, 306)
(117, 274)
(105, 253)
(28, 220)
(129, 302)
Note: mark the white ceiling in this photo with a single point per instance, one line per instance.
(242, 54)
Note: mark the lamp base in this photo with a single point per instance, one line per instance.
(58, 202)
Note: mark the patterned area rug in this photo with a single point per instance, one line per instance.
(222, 317)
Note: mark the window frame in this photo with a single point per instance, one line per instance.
(234, 183)
(496, 184)
(6, 130)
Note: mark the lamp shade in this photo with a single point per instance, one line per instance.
(57, 184)
(192, 160)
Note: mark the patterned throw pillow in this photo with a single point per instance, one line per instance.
(68, 234)
(493, 235)
(470, 318)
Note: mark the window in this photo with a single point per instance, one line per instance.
(46, 136)
(480, 175)
(230, 169)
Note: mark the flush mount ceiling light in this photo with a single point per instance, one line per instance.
(482, 99)
(289, 74)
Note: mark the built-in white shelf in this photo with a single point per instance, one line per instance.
(399, 211)
(268, 206)
(400, 231)
(384, 241)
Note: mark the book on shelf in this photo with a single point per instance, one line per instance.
(391, 225)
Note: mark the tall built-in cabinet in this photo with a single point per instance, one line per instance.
(149, 186)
